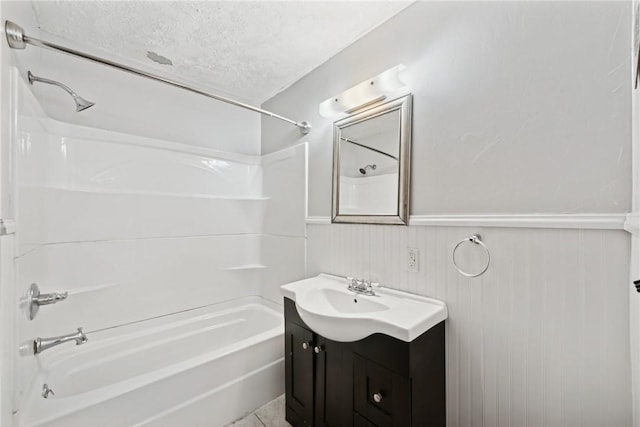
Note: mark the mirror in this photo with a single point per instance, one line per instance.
(371, 154)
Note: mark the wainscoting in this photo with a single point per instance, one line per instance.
(541, 339)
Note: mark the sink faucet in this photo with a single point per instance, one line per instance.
(42, 344)
(363, 287)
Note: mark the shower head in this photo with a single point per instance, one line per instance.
(364, 170)
(81, 103)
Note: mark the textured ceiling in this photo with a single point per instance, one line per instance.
(249, 49)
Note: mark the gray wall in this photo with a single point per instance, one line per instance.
(519, 107)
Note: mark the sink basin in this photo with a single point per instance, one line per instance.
(327, 307)
(342, 302)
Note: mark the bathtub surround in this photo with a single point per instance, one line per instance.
(156, 226)
(283, 248)
(522, 118)
(7, 332)
(8, 291)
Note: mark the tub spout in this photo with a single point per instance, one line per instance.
(42, 344)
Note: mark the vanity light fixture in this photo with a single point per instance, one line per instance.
(367, 92)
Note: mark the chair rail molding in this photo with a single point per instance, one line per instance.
(613, 221)
(632, 223)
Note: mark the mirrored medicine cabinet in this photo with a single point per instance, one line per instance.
(371, 159)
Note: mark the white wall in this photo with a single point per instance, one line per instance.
(520, 109)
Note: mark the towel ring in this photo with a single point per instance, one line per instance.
(473, 239)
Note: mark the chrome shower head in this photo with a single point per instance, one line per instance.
(81, 103)
(364, 170)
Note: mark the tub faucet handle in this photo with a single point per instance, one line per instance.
(52, 298)
(35, 299)
(82, 338)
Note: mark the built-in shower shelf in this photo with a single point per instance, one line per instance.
(142, 193)
(246, 267)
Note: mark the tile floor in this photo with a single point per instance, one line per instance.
(269, 415)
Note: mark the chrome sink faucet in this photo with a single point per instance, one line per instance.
(363, 287)
(42, 344)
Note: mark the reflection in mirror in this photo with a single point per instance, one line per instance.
(371, 164)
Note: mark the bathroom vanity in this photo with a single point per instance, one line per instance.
(375, 381)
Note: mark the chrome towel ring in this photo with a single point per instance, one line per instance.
(476, 240)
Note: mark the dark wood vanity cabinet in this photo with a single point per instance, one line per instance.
(379, 381)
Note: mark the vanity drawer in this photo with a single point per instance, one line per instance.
(380, 395)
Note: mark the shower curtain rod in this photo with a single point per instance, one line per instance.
(17, 39)
(351, 141)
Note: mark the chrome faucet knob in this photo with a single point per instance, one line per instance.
(35, 299)
(82, 337)
(45, 299)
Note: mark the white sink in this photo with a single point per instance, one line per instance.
(327, 307)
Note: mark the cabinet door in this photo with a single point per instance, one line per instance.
(334, 399)
(299, 374)
(358, 421)
(380, 395)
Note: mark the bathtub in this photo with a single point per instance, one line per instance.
(203, 367)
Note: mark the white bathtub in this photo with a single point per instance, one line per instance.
(203, 367)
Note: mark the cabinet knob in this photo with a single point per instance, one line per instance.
(305, 345)
(377, 397)
(318, 348)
